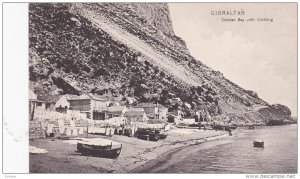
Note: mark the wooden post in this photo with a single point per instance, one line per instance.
(87, 131)
(32, 114)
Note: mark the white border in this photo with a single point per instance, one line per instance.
(15, 90)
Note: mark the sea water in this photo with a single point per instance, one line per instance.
(236, 154)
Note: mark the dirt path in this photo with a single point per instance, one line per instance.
(135, 43)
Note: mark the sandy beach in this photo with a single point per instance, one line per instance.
(62, 155)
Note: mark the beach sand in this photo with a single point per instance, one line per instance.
(62, 155)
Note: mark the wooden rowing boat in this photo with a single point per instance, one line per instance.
(100, 148)
(258, 143)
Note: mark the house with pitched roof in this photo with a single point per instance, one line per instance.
(87, 104)
(150, 109)
(136, 115)
(47, 102)
(162, 112)
(62, 105)
(109, 112)
(154, 111)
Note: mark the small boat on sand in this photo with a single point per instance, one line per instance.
(99, 147)
(163, 135)
(251, 127)
(258, 143)
(233, 126)
(151, 134)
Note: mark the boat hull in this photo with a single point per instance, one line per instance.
(99, 151)
(151, 134)
(163, 136)
(258, 144)
(251, 127)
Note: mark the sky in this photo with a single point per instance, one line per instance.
(257, 55)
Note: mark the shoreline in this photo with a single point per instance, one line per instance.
(228, 154)
(136, 154)
(161, 159)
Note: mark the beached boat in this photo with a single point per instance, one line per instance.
(251, 127)
(147, 134)
(258, 143)
(233, 126)
(99, 147)
(128, 132)
(143, 134)
(218, 127)
(151, 134)
(163, 135)
(154, 136)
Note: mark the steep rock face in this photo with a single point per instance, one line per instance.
(156, 14)
(124, 50)
(149, 21)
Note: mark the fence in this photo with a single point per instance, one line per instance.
(73, 123)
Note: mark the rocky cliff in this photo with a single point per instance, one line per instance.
(121, 50)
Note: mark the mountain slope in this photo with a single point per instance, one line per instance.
(121, 50)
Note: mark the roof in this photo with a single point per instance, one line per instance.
(81, 97)
(161, 106)
(134, 112)
(149, 105)
(49, 98)
(174, 113)
(114, 109)
(146, 105)
(70, 96)
(85, 96)
(93, 97)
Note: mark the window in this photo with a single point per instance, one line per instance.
(88, 115)
(48, 106)
(98, 116)
(38, 104)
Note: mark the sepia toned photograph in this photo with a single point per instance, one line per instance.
(205, 88)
